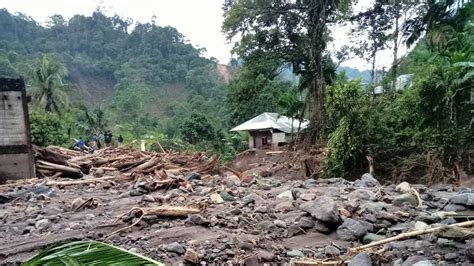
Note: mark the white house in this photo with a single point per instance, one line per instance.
(270, 130)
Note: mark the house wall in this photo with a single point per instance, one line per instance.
(278, 137)
(16, 160)
(258, 137)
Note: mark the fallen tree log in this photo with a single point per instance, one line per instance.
(88, 181)
(410, 234)
(67, 170)
(165, 211)
(50, 155)
(152, 162)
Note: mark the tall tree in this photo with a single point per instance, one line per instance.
(294, 32)
(372, 34)
(46, 81)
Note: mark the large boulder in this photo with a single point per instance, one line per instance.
(361, 259)
(323, 208)
(351, 230)
(367, 180)
(466, 199)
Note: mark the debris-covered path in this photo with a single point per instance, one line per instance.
(226, 220)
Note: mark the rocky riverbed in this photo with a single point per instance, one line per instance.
(267, 220)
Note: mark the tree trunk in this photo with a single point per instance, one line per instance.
(317, 84)
(49, 100)
(395, 46)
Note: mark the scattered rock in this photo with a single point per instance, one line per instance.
(280, 223)
(90, 216)
(405, 198)
(451, 256)
(148, 198)
(469, 252)
(370, 237)
(454, 208)
(361, 194)
(226, 196)
(323, 209)
(367, 180)
(175, 247)
(466, 199)
(310, 183)
(361, 259)
(261, 209)
(403, 187)
(351, 230)
(191, 256)
(321, 227)
(286, 195)
(266, 256)
(42, 224)
(306, 222)
(307, 196)
(193, 176)
(198, 219)
(421, 225)
(413, 260)
(294, 230)
(331, 251)
(295, 253)
(216, 198)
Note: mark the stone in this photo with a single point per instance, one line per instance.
(261, 209)
(307, 196)
(90, 216)
(423, 263)
(42, 224)
(266, 256)
(280, 223)
(286, 195)
(451, 256)
(226, 196)
(294, 253)
(466, 199)
(323, 209)
(351, 230)
(251, 198)
(361, 194)
(235, 211)
(294, 230)
(469, 251)
(331, 251)
(371, 237)
(367, 180)
(175, 247)
(403, 187)
(386, 216)
(410, 261)
(148, 198)
(216, 198)
(265, 226)
(76, 203)
(193, 176)
(251, 261)
(321, 227)
(306, 222)
(361, 259)
(198, 219)
(310, 183)
(284, 206)
(419, 225)
(405, 198)
(191, 256)
(454, 208)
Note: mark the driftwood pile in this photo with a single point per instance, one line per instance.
(54, 161)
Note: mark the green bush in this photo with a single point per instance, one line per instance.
(46, 129)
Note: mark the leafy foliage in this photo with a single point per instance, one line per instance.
(88, 253)
(46, 129)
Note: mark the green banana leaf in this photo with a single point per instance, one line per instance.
(89, 253)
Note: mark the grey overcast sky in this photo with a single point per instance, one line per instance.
(199, 20)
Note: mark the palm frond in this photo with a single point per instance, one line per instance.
(89, 253)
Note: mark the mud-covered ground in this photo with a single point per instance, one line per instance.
(268, 220)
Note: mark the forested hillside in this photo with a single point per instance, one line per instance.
(136, 76)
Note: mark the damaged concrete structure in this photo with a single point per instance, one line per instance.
(16, 159)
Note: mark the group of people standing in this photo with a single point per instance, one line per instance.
(95, 141)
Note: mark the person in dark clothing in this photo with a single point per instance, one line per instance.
(80, 144)
(120, 140)
(108, 138)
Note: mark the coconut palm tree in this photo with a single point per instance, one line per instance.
(46, 83)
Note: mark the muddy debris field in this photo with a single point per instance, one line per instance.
(189, 209)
